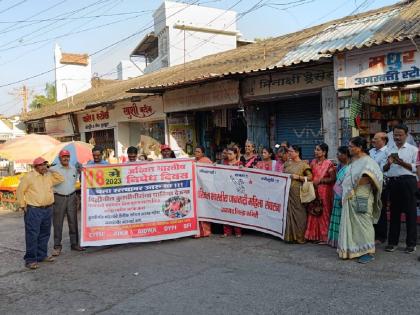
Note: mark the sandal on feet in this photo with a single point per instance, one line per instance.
(49, 259)
(365, 259)
(32, 266)
(56, 252)
(224, 235)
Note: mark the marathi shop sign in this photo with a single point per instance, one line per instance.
(393, 65)
(97, 119)
(270, 85)
(207, 95)
(150, 108)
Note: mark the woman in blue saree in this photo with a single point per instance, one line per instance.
(343, 156)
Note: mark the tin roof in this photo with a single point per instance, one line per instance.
(393, 23)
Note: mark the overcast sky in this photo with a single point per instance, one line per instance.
(29, 30)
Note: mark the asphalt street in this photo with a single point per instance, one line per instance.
(256, 274)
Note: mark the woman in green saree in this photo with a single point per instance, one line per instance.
(362, 187)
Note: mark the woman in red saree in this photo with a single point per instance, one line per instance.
(323, 177)
(200, 157)
(267, 163)
(232, 160)
(282, 158)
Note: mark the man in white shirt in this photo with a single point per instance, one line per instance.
(390, 134)
(379, 153)
(132, 153)
(401, 171)
(65, 203)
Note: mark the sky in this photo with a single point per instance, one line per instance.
(29, 30)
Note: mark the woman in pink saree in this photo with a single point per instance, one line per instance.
(323, 177)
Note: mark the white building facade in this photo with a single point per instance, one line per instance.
(184, 32)
(73, 73)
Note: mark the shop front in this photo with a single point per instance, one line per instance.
(298, 106)
(378, 85)
(206, 114)
(62, 128)
(141, 124)
(135, 122)
(98, 127)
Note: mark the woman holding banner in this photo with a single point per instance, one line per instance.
(250, 158)
(323, 171)
(296, 211)
(282, 157)
(200, 157)
(232, 160)
(362, 188)
(268, 162)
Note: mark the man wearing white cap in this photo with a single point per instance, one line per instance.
(35, 197)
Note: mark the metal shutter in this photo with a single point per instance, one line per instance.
(299, 122)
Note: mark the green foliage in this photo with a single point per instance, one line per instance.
(48, 99)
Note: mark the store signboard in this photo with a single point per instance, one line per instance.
(207, 95)
(61, 126)
(96, 119)
(273, 84)
(398, 63)
(148, 109)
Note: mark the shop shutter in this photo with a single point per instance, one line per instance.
(299, 122)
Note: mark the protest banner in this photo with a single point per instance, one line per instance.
(142, 202)
(249, 198)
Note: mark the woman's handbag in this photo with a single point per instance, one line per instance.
(315, 207)
(359, 204)
(307, 192)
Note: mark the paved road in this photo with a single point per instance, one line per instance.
(256, 274)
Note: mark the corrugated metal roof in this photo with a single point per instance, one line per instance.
(339, 36)
(395, 25)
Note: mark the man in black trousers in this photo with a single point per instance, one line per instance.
(379, 153)
(401, 168)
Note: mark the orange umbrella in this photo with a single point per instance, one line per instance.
(79, 152)
(26, 148)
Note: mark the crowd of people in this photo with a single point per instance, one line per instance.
(352, 197)
(348, 210)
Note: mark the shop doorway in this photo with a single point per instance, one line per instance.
(298, 121)
(104, 138)
(217, 129)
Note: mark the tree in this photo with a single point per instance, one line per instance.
(48, 99)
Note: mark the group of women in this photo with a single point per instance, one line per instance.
(347, 202)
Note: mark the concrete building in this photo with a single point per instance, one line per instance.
(184, 32)
(73, 73)
(128, 69)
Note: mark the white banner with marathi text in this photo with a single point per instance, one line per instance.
(141, 202)
(249, 198)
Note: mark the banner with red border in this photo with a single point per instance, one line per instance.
(249, 198)
(140, 202)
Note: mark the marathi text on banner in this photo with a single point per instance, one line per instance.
(142, 202)
(248, 198)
